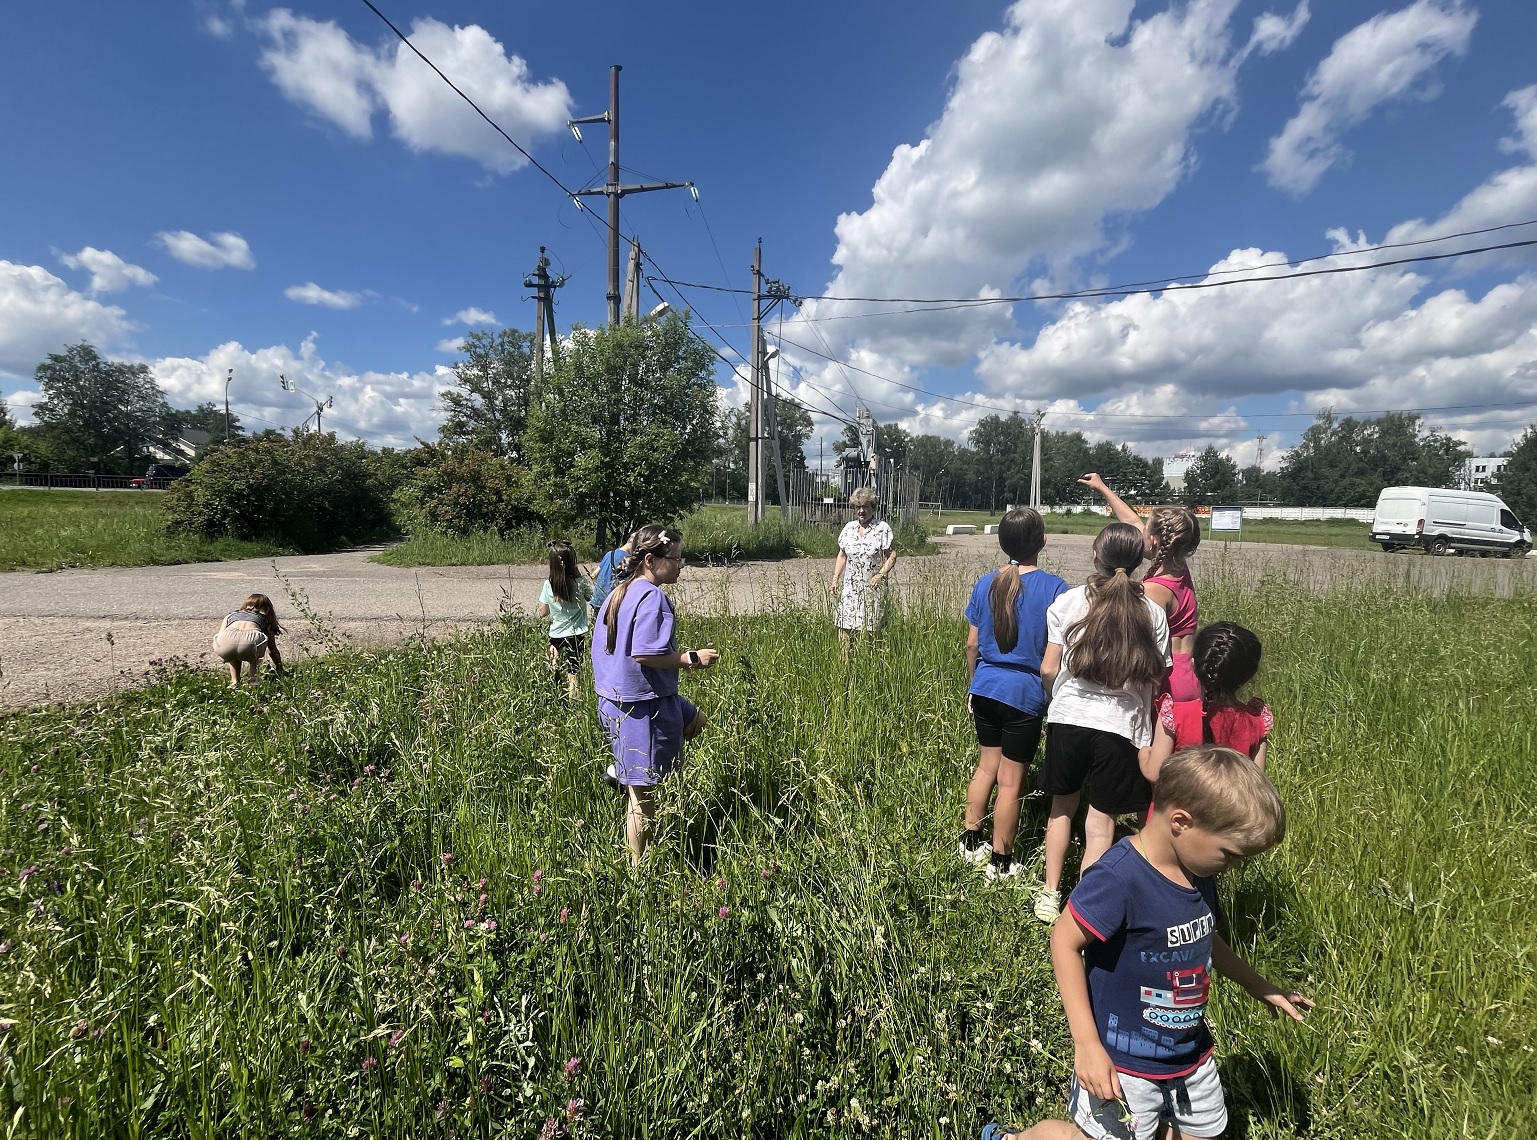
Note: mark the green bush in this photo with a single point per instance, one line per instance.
(468, 492)
(310, 492)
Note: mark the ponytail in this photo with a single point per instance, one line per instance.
(564, 577)
(653, 539)
(1021, 534)
(1226, 658)
(1113, 644)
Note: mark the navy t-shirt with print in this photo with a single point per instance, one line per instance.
(1014, 678)
(1149, 963)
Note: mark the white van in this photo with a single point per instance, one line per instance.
(1438, 520)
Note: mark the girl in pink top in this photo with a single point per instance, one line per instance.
(1227, 657)
(1172, 535)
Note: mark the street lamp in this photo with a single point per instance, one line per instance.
(228, 376)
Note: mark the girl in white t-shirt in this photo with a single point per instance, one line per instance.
(1107, 652)
(563, 599)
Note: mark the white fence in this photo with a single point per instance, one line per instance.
(1290, 514)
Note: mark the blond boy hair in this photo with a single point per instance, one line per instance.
(1225, 792)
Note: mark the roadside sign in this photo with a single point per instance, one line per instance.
(1229, 519)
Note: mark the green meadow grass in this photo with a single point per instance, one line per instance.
(1323, 532)
(56, 530)
(269, 912)
(713, 533)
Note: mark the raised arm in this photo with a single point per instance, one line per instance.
(1117, 505)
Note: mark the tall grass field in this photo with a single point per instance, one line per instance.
(389, 896)
(57, 530)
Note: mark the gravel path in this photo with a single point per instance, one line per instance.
(78, 634)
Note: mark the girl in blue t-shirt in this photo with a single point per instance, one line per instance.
(1007, 617)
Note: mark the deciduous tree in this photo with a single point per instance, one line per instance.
(95, 411)
(487, 407)
(623, 433)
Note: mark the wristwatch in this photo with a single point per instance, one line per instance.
(692, 658)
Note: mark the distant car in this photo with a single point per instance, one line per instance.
(159, 476)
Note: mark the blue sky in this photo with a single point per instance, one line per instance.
(206, 185)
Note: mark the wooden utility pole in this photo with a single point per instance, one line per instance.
(613, 189)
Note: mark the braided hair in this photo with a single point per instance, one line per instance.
(653, 539)
(1178, 532)
(1226, 658)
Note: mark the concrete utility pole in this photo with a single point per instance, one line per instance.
(762, 419)
(613, 189)
(544, 287)
(1035, 464)
(228, 376)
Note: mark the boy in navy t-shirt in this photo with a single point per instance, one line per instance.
(1134, 951)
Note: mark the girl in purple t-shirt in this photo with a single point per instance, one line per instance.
(635, 665)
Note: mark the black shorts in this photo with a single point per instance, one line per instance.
(1004, 726)
(570, 650)
(1105, 761)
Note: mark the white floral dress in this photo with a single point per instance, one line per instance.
(859, 606)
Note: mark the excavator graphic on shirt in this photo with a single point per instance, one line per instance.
(1170, 1014)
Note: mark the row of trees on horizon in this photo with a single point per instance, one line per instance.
(637, 407)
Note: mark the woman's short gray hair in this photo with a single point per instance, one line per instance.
(862, 497)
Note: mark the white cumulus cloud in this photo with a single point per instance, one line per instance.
(384, 408)
(318, 66)
(471, 316)
(109, 272)
(217, 251)
(1390, 57)
(312, 294)
(453, 344)
(40, 314)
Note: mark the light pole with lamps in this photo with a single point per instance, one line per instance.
(228, 376)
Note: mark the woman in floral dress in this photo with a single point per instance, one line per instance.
(866, 554)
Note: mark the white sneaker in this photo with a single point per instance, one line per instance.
(1048, 904)
(1001, 867)
(981, 853)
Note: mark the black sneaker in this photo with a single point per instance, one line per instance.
(1002, 866)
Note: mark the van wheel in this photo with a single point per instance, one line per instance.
(1438, 546)
(1519, 550)
(1388, 548)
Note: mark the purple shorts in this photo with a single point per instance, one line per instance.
(646, 736)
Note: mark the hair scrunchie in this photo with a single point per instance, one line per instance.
(1013, 561)
(1121, 570)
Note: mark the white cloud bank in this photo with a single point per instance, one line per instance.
(318, 66)
(109, 272)
(40, 314)
(312, 294)
(224, 251)
(385, 408)
(1389, 58)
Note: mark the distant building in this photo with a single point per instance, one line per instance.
(1478, 471)
(1174, 471)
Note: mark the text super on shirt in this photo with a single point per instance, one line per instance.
(1149, 964)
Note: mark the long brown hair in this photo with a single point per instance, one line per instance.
(1178, 532)
(653, 539)
(1113, 645)
(565, 578)
(1021, 534)
(261, 604)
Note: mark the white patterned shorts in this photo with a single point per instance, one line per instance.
(1193, 1103)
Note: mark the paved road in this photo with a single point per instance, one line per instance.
(76, 634)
